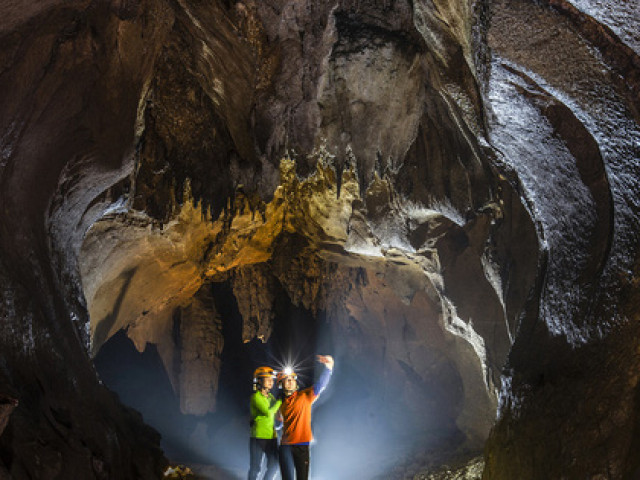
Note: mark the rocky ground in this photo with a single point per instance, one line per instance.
(458, 466)
(471, 470)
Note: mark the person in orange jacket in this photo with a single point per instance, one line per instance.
(296, 417)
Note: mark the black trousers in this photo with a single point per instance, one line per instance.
(258, 449)
(294, 457)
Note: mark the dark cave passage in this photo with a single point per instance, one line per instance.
(141, 382)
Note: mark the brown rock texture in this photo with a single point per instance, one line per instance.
(200, 345)
(7, 405)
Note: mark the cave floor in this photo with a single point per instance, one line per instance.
(456, 469)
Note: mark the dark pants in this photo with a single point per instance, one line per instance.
(294, 457)
(258, 449)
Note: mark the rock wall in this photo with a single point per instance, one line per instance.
(556, 80)
(72, 76)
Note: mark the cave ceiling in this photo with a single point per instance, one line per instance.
(449, 189)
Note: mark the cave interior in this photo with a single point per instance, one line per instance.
(442, 195)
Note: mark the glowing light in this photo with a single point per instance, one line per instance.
(290, 365)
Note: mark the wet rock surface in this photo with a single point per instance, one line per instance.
(555, 405)
(442, 193)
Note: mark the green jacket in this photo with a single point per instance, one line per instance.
(263, 410)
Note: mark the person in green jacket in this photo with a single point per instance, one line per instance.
(264, 440)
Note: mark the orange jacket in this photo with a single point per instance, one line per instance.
(296, 412)
(296, 417)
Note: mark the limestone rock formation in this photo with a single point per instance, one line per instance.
(442, 194)
(200, 347)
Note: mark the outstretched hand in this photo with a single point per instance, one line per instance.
(327, 360)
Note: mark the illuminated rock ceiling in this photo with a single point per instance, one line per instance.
(444, 195)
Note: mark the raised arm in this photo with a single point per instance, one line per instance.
(322, 382)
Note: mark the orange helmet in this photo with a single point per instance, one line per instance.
(263, 372)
